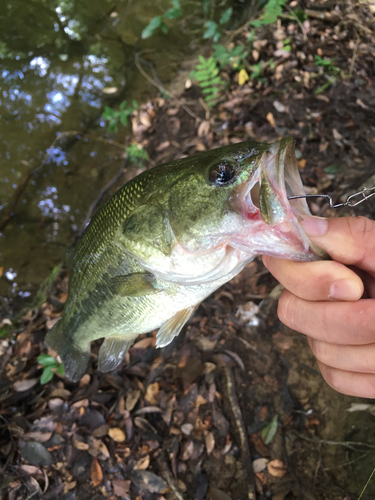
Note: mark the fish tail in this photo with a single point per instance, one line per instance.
(74, 358)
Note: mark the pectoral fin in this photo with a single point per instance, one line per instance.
(134, 285)
(112, 353)
(171, 328)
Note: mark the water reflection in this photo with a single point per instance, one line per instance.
(56, 57)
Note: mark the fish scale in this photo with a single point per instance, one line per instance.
(170, 237)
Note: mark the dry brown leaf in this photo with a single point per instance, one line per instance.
(117, 435)
(142, 463)
(204, 128)
(96, 473)
(271, 119)
(70, 485)
(187, 450)
(132, 399)
(41, 437)
(210, 442)
(282, 341)
(80, 445)
(151, 392)
(260, 464)
(143, 343)
(302, 163)
(276, 468)
(121, 487)
(1, 271)
(25, 385)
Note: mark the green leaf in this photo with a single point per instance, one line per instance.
(176, 4)
(268, 433)
(108, 113)
(60, 369)
(47, 375)
(226, 15)
(212, 31)
(172, 13)
(332, 169)
(47, 360)
(164, 28)
(251, 36)
(3, 332)
(300, 14)
(151, 27)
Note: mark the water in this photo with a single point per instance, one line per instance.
(58, 60)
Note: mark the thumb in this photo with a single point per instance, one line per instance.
(349, 240)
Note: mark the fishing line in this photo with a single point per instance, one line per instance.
(351, 201)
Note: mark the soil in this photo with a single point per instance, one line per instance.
(231, 409)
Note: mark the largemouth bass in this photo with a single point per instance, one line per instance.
(170, 237)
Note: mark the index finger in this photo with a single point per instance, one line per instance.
(349, 240)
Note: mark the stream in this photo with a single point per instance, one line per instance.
(61, 63)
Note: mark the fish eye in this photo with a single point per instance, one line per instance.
(223, 173)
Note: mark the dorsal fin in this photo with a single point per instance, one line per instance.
(112, 352)
(171, 328)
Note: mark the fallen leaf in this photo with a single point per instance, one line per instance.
(271, 119)
(25, 385)
(151, 392)
(121, 487)
(260, 464)
(187, 429)
(279, 106)
(243, 77)
(132, 399)
(276, 468)
(117, 435)
(302, 163)
(210, 442)
(70, 485)
(80, 445)
(96, 473)
(142, 463)
(282, 341)
(148, 481)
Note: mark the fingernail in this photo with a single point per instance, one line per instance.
(345, 290)
(314, 226)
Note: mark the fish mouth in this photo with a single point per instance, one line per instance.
(266, 203)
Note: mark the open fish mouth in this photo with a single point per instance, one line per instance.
(266, 203)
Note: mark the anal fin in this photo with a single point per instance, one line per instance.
(112, 352)
(171, 328)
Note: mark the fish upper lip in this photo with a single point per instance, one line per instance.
(280, 169)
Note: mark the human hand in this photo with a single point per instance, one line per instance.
(334, 305)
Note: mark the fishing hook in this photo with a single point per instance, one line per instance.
(366, 194)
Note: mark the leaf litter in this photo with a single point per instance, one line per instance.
(163, 425)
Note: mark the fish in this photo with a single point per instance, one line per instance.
(169, 238)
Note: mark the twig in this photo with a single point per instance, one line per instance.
(163, 89)
(365, 486)
(351, 445)
(163, 464)
(25, 180)
(238, 421)
(304, 34)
